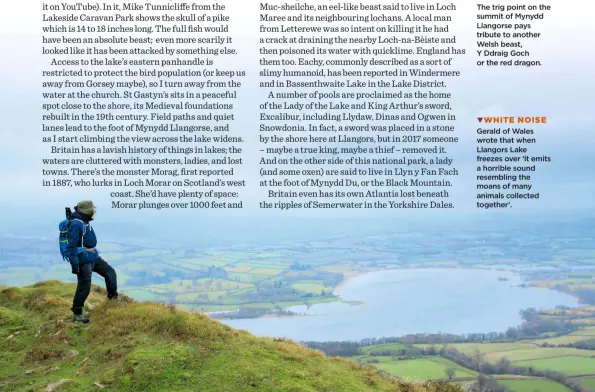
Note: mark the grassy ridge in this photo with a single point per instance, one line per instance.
(130, 346)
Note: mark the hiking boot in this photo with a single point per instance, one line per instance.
(113, 297)
(80, 318)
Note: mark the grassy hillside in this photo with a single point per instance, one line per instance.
(130, 346)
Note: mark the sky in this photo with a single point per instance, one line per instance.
(561, 90)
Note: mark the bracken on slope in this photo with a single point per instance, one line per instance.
(144, 346)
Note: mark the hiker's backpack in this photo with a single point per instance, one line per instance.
(64, 226)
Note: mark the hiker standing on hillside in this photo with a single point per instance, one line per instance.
(84, 258)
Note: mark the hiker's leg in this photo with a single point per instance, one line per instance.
(83, 288)
(109, 274)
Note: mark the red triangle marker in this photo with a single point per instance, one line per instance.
(480, 119)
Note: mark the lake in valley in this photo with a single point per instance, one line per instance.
(406, 301)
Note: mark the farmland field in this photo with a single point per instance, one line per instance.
(588, 331)
(431, 368)
(565, 339)
(309, 286)
(486, 348)
(569, 365)
(534, 385)
(266, 271)
(389, 347)
(536, 353)
(588, 382)
(238, 268)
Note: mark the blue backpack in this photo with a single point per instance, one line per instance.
(64, 226)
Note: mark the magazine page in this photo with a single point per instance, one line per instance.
(304, 195)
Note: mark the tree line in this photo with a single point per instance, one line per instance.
(533, 328)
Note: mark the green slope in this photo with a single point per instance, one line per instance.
(131, 346)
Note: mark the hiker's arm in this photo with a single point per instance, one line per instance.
(74, 234)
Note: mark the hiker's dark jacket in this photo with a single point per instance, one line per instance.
(76, 241)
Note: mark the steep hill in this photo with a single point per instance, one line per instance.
(132, 346)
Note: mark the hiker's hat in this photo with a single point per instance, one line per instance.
(86, 207)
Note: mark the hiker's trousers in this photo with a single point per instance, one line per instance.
(83, 287)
